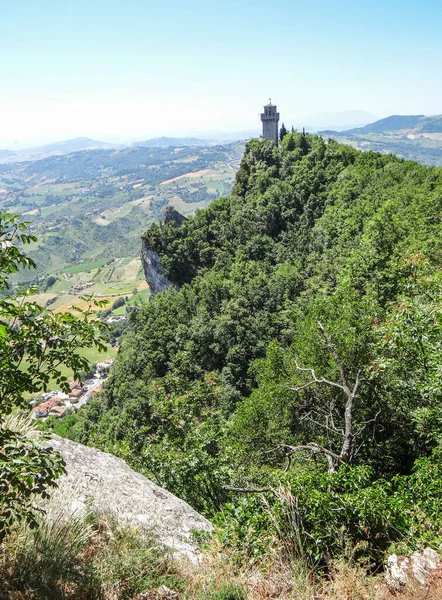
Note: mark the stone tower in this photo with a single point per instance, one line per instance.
(270, 120)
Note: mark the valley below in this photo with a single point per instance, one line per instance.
(88, 210)
(281, 378)
(412, 137)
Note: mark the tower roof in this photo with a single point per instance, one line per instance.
(270, 105)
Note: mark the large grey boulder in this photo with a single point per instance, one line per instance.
(99, 481)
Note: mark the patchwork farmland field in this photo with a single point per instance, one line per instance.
(89, 210)
(117, 278)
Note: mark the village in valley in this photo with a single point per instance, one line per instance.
(57, 404)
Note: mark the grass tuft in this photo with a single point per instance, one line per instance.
(92, 557)
(226, 591)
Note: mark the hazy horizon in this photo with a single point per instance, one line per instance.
(115, 71)
(341, 120)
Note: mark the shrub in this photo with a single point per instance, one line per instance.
(244, 528)
(326, 516)
(316, 517)
(50, 281)
(42, 340)
(419, 498)
(27, 470)
(118, 302)
(319, 517)
(91, 557)
(227, 591)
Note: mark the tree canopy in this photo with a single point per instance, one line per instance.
(316, 281)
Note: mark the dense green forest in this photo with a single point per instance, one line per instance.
(300, 358)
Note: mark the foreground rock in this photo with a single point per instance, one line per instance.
(415, 570)
(101, 481)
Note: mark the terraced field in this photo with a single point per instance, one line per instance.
(89, 210)
(117, 278)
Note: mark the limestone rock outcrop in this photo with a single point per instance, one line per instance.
(171, 215)
(153, 271)
(416, 569)
(96, 480)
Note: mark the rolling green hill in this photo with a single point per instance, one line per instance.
(93, 205)
(64, 147)
(53, 149)
(414, 137)
(175, 142)
(299, 357)
(392, 123)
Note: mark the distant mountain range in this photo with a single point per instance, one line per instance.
(409, 123)
(55, 149)
(6, 154)
(173, 141)
(414, 137)
(337, 121)
(84, 143)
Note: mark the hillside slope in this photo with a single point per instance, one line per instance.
(93, 205)
(318, 275)
(414, 137)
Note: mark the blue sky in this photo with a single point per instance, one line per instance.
(119, 69)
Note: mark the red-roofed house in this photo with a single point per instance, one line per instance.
(58, 411)
(42, 410)
(74, 396)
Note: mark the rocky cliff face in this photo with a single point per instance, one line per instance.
(173, 216)
(153, 271)
(96, 480)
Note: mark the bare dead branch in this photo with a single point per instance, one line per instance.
(314, 449)
(335, 354)
(247, 490)
(356, 452)
(314, 380)
(350, 391)
(365, 424)
(273, 449)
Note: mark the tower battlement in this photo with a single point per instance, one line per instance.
(270, 120)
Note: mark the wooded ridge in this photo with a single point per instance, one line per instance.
(300, 355)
